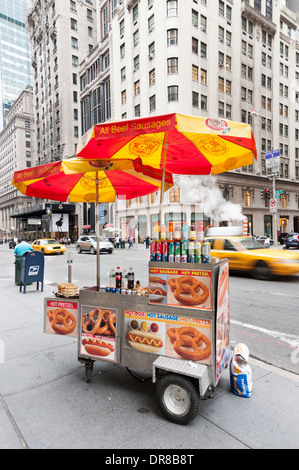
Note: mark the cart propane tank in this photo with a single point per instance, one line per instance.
(240, 371)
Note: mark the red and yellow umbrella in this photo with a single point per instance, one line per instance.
(82, 180)
(78, 180)
(180, 144)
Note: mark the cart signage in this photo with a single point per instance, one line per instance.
(169, 335)
(98, 332)
(60, 317)
(222, 321)
(187, 288)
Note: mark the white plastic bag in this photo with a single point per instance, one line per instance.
(240, 371)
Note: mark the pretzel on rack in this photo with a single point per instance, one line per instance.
(186, 290)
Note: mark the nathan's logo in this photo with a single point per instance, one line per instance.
(144, 146)
(211, 144)
(217, 125)
(104, 165)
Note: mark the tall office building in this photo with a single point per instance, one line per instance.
(62, 34)
(15, 67)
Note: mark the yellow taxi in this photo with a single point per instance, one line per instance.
(48, 246)
(245, 254)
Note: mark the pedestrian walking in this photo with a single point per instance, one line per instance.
(147, 242)
(131, 242)
(267, 242)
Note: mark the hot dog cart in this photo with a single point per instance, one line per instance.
(185, 347)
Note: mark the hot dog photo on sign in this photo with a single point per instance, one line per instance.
(143, 333)
(98, 332)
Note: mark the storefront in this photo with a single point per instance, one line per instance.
(46, 220)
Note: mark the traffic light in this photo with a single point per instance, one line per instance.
(267, 193)
(262, 194)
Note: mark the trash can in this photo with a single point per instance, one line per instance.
(122, 244)
(18, 260)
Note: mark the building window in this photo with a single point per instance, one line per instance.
(137, 88)
(172, 37)
(74, 24)
(137, 110)
(173, 93)
(75, 61)
(194, 73)
(172, 65)
(74, 43)
(204, 102)
(172, 8)
(195, 99)
(123, 97)
(174, 195)
(152, 103)
(152, 77)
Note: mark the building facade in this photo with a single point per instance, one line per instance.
(17, 141)
(239, 61)
(15, 67)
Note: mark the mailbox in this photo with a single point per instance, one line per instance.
(32, 269)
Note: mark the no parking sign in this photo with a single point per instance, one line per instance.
(273, 205)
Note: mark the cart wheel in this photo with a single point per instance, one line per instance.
(178, 398)
(88, 372)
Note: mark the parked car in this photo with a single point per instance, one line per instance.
(282, 237)
(48, 246)
(291, 241)
(89, 243)
(261, 240)
(12, 243)
(246, 255)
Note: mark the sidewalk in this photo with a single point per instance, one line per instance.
(45, 401)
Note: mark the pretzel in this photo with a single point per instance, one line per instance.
(104, 324)
(62, 321)
(186, 286)
(186, 342)
(95, 324)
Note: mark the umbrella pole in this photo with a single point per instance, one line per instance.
(97, 231)
(164, 154)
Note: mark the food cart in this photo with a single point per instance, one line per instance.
(179, 331)
(177, 328)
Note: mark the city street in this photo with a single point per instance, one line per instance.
(263, 313)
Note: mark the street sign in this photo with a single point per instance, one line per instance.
(273, 205)
(273, 160)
